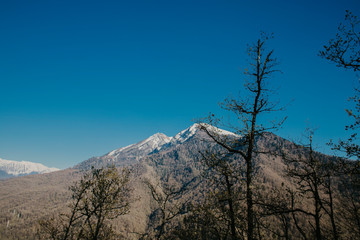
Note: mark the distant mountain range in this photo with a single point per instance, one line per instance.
(10, 168)
(156, 143)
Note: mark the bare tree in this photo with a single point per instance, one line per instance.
(223, 174)
(306, 171)
(344, 49)
(170, 205)
(248, 110)
(316, 182)
(101, 195)
(349, 202)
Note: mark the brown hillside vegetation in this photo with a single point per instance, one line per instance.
(185, 196)
(26, 199)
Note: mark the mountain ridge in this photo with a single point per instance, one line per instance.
(159, 159)
(11, 168)
(135, 152)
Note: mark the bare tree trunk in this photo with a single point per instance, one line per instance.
(231, 209)
(317, 219)
(331, 213)
(249, 201)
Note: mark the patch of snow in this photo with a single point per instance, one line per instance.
(216, 130)
(146, 146)
(119, 150)
(186, 134)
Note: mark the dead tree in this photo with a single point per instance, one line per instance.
(248, 110)
(101, 195)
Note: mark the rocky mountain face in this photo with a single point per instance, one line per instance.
(127, 155)
(10, 168)
(155, 145)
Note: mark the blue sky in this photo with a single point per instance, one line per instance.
(81, 78)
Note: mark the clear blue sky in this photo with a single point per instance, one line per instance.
(81, 78)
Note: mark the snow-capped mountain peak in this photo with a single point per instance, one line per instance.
(186, 134)
(159, 141)
(146, 146)
(19, 168)
(155, 143)
(215, 130)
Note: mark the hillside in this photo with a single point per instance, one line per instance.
(158, 159)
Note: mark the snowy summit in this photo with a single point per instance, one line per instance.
(10, 168)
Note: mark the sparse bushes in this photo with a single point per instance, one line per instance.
(101, 195)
